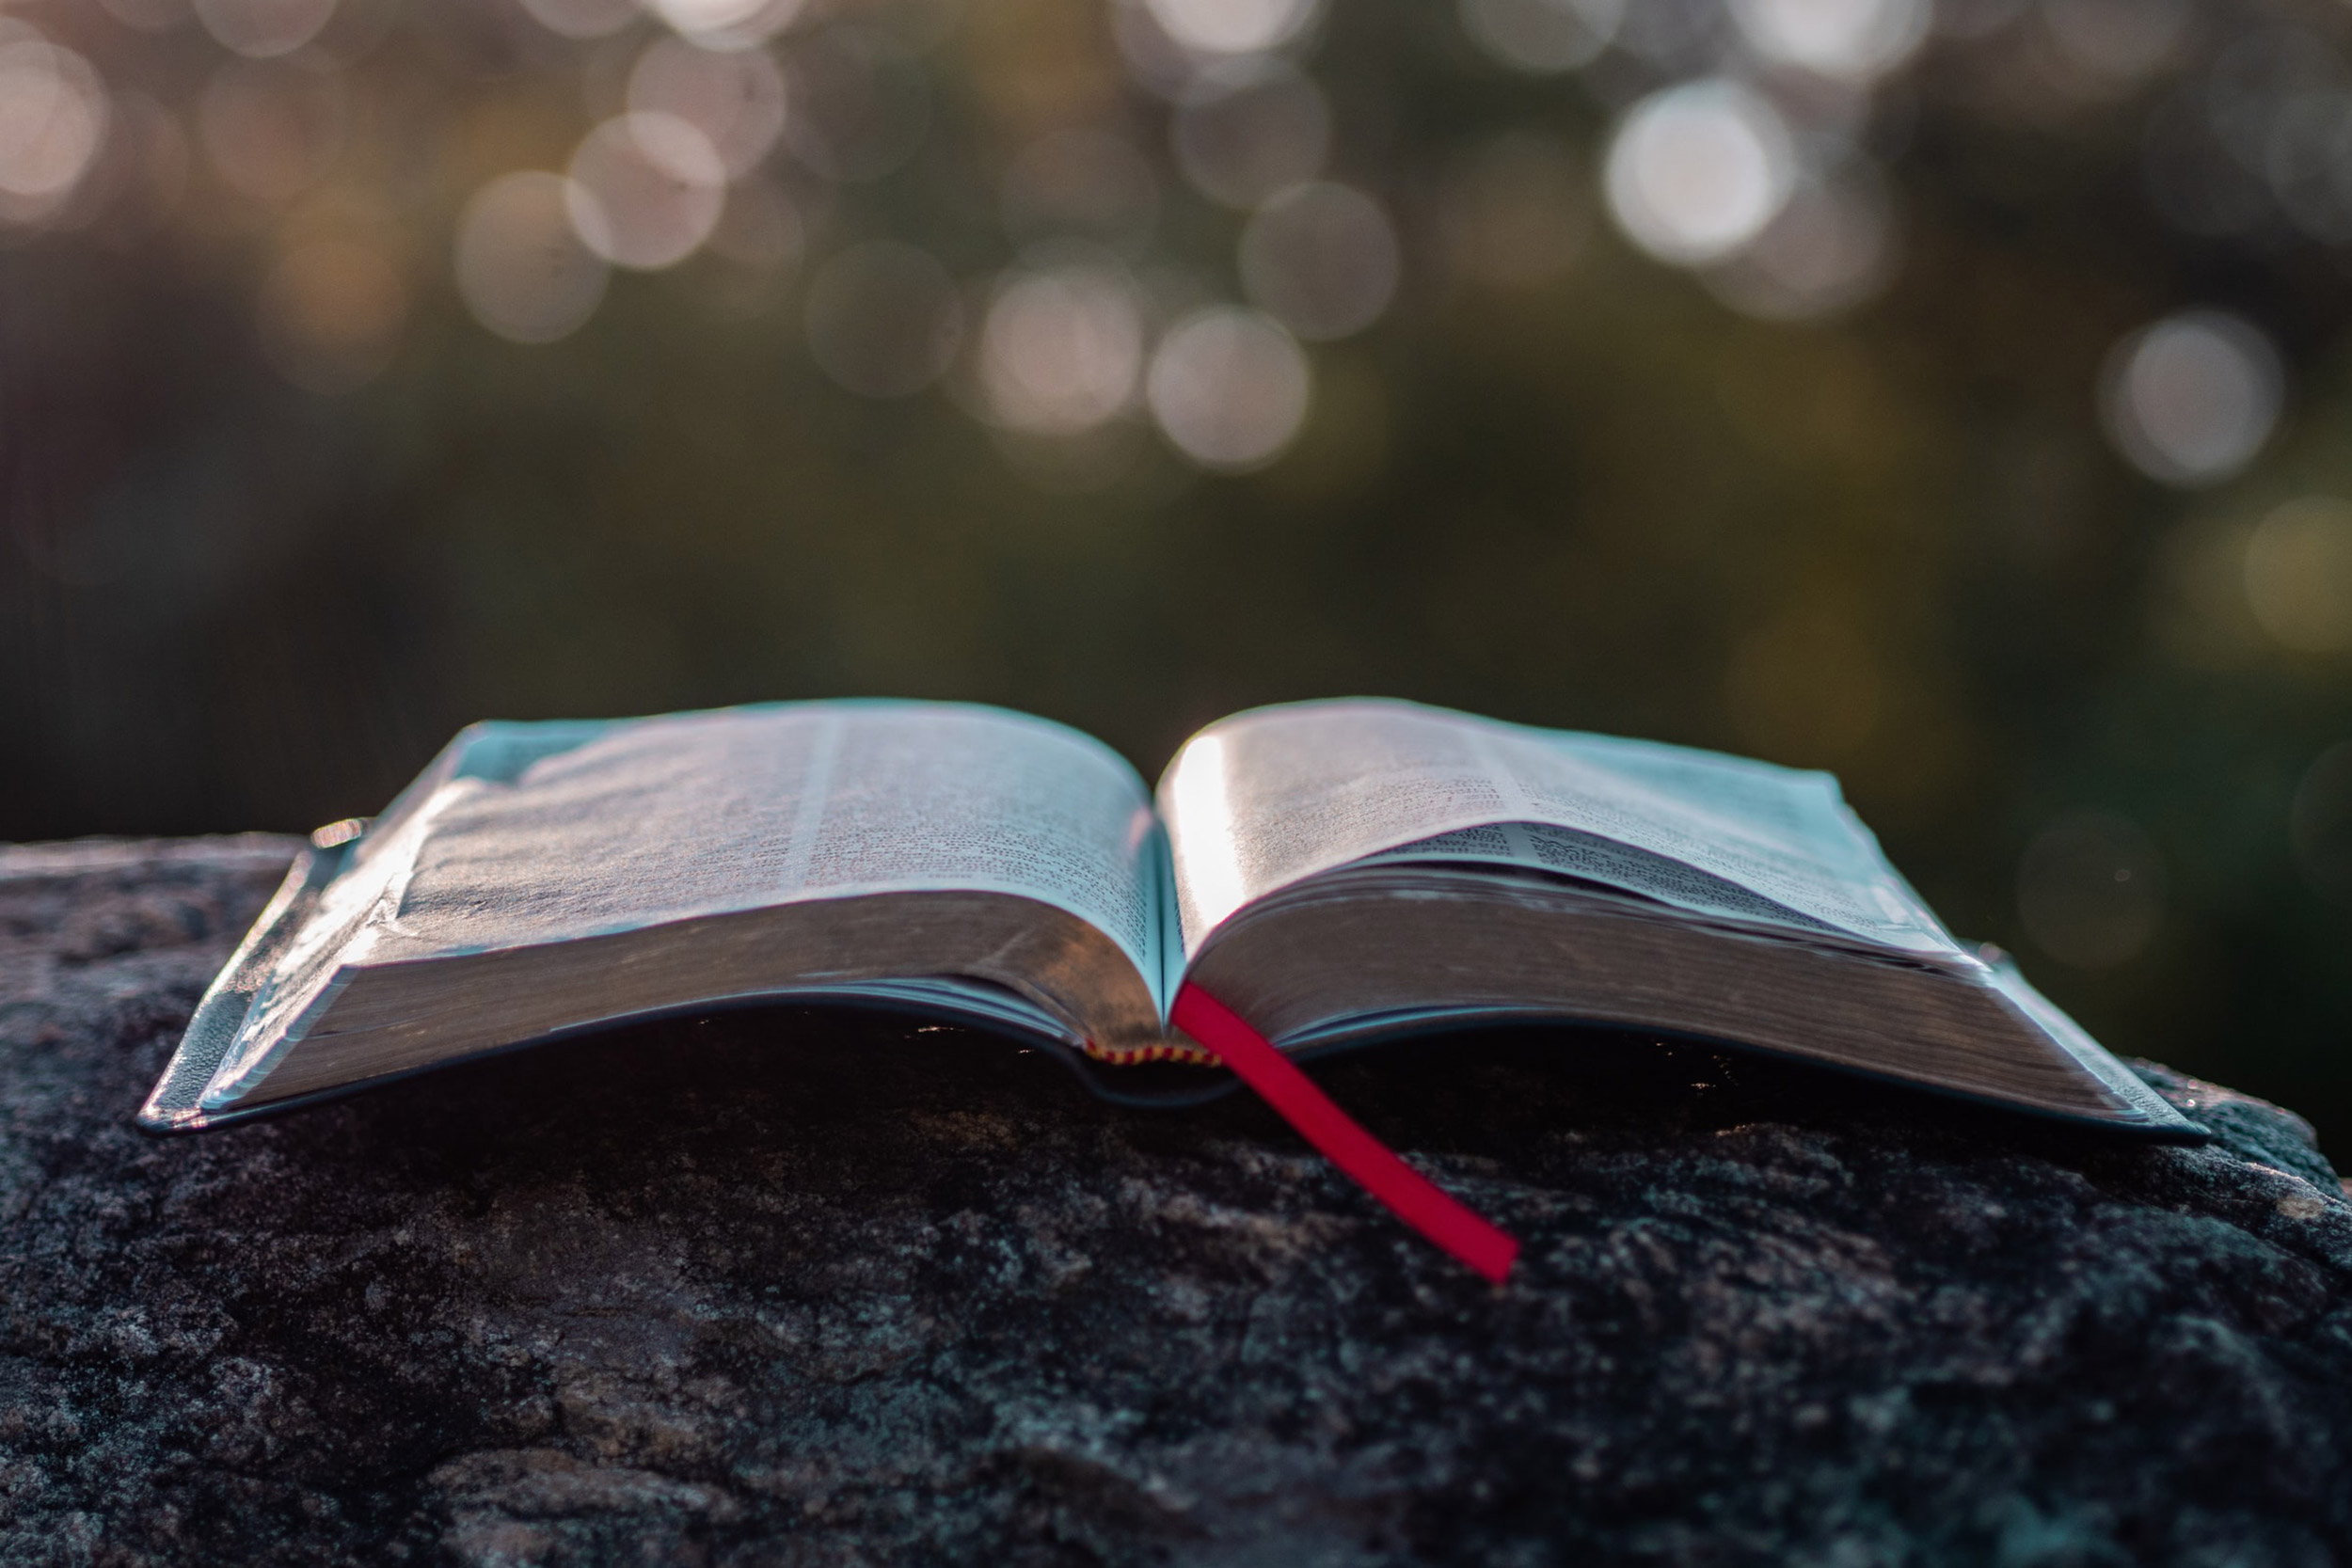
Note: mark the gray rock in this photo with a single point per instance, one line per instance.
(787, 1288)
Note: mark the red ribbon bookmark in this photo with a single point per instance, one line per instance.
(1409, 1196)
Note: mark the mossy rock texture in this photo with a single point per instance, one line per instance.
(796, 1288)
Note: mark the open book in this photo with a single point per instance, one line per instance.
(1334, 873)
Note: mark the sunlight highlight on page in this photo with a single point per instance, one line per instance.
(1212, 858)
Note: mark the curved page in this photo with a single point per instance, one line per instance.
(1256, 802)
(527, 835)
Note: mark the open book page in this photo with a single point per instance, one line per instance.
(1256, 802)
(525, 834)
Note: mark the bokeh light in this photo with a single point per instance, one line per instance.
(1233, 27)
(152, 16)
(734, 98)
(2255, 78)
(1831, 248)
(1154, 60)
(2199, 185)
(2090, 889)
(1246, 128)
(727, 24)
(1852, 39)
(2298, 573)
(882, 319)
(1694, 172)
(2192, 398)
(521, 266)
(1061, 350)
(583, 19)
(1322, 258)
(264, 29)
(330, 314)
(1542, 36)
(1229, 388)
(271, 130)
(2319, 824)
(647, 190)
(53, 121)
(2115, 42)
(2307, 158)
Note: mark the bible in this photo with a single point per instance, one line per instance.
(1327, 874)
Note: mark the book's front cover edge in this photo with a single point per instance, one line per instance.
(175, 1104)
(196, 1118)
(2160, 1122)
(2172, 1127)
(2070, 1036)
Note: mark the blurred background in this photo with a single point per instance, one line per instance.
(1952, 395)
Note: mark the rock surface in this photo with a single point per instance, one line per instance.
(784, 1288)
